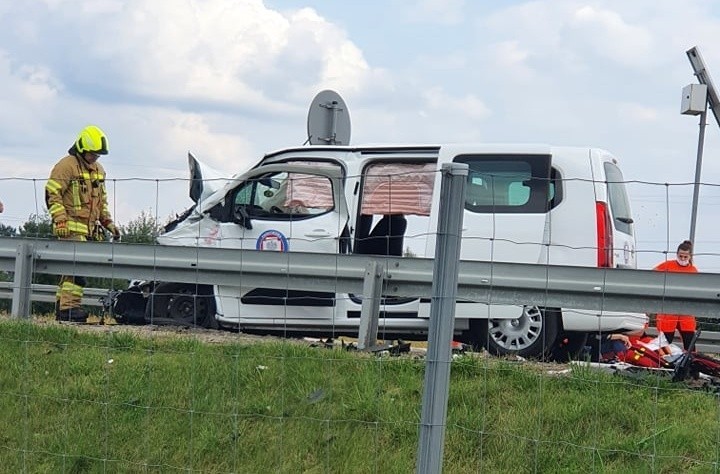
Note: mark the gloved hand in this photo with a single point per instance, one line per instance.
(98, 234)
(112, 228)
(61, 230)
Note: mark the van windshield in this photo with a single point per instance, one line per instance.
(617, 196)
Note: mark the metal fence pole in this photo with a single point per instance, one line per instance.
(370, 311)
(442, 319)
(22, 281)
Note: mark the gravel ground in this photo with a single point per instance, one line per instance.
(148, 330)
(418, 349)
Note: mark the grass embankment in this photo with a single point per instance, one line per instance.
(77, 402)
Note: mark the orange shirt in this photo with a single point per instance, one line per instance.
(673, 266)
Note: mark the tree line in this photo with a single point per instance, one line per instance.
(144, 229)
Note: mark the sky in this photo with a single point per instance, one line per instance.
(230, 80)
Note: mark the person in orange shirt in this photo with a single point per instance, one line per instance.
(685, 323)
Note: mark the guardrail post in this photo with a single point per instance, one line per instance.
(23, 280)
(370, 311)
(442, 319)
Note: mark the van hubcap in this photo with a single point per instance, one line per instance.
(519, 333)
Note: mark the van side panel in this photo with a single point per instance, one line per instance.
(571, 227)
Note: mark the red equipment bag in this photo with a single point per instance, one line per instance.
(643, 357)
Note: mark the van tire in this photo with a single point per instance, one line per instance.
(182, 304)
(532, 335)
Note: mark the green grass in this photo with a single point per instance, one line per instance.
(72, 401)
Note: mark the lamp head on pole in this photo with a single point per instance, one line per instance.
(694, 99)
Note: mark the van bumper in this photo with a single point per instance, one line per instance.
(602, 321)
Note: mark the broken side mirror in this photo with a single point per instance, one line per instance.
(219, 212)
(237, 214)
(224, 212)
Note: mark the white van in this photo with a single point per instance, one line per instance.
(524, 203)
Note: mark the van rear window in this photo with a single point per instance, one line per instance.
(508, 183)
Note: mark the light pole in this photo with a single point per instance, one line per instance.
(696, 99)
(694, 102)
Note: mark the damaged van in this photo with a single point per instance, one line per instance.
(535, 204)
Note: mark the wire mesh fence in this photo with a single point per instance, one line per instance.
(149, 398)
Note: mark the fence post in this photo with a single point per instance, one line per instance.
(370, 311)
(22, 281)
(442, 318)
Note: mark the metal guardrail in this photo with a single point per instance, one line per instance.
(608, 289)
(46, 293)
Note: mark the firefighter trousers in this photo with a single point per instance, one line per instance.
(70, 288)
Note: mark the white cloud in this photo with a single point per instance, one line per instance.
(192, 132)
(613, 36)
(211, 50)
(230, 53)
(28, 102)
(39, 85)
(340, 63)
(573, 35)
(512, 58)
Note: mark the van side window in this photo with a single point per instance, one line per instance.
(396, 196)
(509, 183)
(281, 196)
(617, 196)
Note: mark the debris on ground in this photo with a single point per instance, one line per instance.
(389, 348)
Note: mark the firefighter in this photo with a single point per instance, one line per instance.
(76, 198)
(685, 323)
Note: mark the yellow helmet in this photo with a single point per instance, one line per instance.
(92, 139)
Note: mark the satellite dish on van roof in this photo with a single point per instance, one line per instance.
(328, 121)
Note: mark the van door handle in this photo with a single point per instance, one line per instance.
(318, 233)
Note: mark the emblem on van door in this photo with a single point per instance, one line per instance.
(273, 241)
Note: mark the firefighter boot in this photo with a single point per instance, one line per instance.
(92, 319)
(109, 321)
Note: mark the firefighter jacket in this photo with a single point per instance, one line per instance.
(75, 193)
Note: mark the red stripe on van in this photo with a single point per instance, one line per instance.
(604, 236)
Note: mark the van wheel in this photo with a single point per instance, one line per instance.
(178, 303)
(532, 334)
